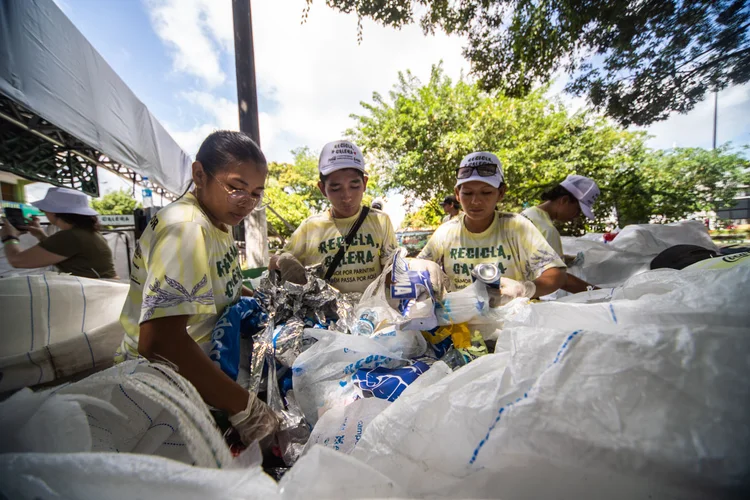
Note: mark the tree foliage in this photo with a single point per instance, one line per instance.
(637, 61)
(417, 137)
(119, 202)
(428, 216)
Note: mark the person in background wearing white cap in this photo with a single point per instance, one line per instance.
(452, 208)
(77, 249)
(320, 238)
(528, 265)
(378, 203)
(563, 203)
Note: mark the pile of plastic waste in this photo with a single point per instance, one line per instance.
(638, 390)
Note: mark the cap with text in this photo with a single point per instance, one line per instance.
(585, 191)
(339, 155)
(479, 159)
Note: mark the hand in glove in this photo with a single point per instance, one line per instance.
(255, 422)
(290, 269)
(509, 290)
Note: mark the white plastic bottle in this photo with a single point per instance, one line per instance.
(148, 197)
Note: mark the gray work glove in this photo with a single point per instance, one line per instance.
(290, 269)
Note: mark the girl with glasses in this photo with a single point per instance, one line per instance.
(186, 271)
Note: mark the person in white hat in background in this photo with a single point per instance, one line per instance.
(321, 238)
(77, 249)
(563, 203)
(378, 203)
(528, 265)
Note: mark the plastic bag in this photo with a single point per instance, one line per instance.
(341, 428)
(653, 404)
(463, 306)
(134, 407)
(322, 375)
(242, 319)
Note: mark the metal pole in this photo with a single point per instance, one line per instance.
(716, 113)
(256, 227)
(244, 59)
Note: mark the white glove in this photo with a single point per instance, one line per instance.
(255, 422)
(509, 290)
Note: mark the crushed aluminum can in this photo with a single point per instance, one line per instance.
(489, 274)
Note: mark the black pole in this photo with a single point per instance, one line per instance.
(716, 113)
(244, 60)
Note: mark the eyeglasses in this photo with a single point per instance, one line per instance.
(240, 197)
(487, 170)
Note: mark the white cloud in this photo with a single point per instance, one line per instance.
(316, 73)
(191, 29)
(695, 129)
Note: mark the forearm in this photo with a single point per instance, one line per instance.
(12, 250)
(214, 386)
(246, 292)
(575, 284)
(550, 281)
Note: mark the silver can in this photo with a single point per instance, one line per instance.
(489, 274)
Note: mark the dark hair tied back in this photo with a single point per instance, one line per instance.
(223, 147)
(87, 222)
(555, 193)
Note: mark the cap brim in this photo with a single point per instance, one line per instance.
(492, 181)
(329, 171)
(46, 206)
(586, 210)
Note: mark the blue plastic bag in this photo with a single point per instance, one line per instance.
(240, 320)
(388, 383)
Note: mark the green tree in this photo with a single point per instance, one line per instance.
(637, 61)
(417, 137)
(300, 177)
(429, 216)
(291, 207)
(118, 202)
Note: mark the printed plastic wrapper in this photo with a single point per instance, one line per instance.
(242, 319)
(387, 383)
(464, 306)
(322, 375)
(341, 428)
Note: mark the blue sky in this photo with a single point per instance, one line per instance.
(178, 58)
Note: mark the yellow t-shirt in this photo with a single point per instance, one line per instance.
(317, 240)
(511, 242)
(182, 265)
(543, 223)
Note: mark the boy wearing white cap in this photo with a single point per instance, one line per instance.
(351, 241)
(563, 203)
(482, 235)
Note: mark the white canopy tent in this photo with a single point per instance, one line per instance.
(48, 68)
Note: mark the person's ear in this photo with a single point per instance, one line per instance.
(364, 181)
(322, 187)
(199, 175)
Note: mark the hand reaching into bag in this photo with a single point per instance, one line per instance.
(255, 422)
(289, 268)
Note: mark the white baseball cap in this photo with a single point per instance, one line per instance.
(479, 159)
(339, 155)
(585, 191)
(61, 200)
(378, 203)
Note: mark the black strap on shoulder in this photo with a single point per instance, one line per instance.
(347, 241)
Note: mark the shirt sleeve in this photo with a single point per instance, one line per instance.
(63, 243)
(537, 254)
(297, 243)
(433, 250)
(178, 274)
(389, 242)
